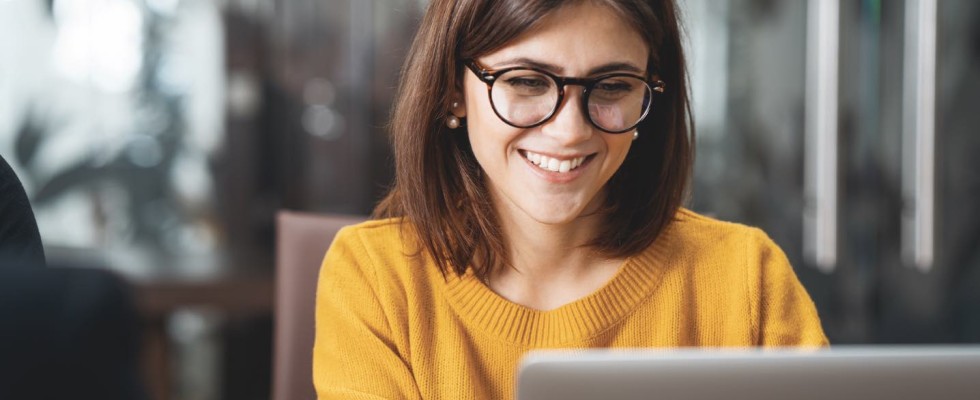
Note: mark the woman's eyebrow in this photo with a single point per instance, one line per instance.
(527, 62)
(616, 67)
(605, 68)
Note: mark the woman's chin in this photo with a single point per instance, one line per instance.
(554, 210)
(554, 214)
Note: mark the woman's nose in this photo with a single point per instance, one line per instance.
(569, 124)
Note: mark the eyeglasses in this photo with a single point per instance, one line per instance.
(528, 97)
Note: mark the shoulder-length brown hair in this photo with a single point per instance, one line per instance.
(439, 187)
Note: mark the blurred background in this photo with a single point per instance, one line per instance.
(157, 139)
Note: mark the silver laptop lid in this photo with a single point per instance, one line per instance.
(866, 373)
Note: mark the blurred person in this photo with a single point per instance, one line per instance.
(64, 332)
(543, 151)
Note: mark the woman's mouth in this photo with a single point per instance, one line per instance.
(553, 164)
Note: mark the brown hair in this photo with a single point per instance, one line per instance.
(439, 187)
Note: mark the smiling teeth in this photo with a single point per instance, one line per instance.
(553, 164)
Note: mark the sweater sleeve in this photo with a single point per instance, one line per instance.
(355, 355)
(785, 313)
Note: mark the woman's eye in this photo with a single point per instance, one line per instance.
(528, 82)
(614, 87)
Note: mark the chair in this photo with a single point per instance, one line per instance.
(302, 240)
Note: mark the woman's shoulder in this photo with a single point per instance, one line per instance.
(376, 225)
(701, 230)
(733, 265)
(706, 249)
(695, 239)
(385, 246)
(383, 230)
(377, 236)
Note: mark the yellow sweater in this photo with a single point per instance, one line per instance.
(389, 326)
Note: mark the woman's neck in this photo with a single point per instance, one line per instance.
(550, 264)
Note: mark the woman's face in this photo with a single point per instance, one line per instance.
(575, 41)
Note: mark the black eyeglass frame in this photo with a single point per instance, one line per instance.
(489, 76)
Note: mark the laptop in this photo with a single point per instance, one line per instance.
(866, 373)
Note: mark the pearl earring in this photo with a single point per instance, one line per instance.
(636, 134)
(452, 122)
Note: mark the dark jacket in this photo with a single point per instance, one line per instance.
(20, 242)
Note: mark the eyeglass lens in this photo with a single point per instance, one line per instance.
(526, 97)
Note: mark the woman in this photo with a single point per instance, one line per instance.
(542, 152)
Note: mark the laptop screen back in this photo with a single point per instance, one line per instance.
(866, 373)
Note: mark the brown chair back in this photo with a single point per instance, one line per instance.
(302, 240)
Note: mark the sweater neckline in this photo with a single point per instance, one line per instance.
(636, 279)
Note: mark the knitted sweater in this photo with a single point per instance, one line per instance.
(390, 326)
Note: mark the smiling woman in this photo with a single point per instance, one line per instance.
(542, 150)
